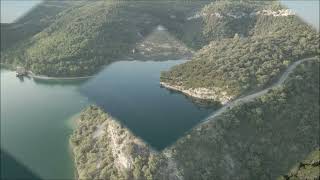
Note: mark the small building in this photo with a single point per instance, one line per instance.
(21, 71)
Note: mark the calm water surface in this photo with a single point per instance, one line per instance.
(130, 92)
(34, 128)
(35, 125)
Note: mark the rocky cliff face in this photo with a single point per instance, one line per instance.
(104, 149)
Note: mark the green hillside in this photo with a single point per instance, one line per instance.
(32, 23)
(85, 36)
(248, 51)
(307, 169)
(261, 139)
(97, 156)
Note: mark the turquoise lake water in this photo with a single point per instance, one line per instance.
(130, 91)
(36, 115)
(34, 123)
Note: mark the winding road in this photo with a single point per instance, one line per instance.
(253, 96)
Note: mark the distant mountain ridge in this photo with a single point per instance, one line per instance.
(30, 24)
(82, 37)
(239, 45)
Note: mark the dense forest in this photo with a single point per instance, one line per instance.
(32, 23)
(62, 39)
(83, 37)
(309, 168)
(262, 139)
(245, 58)
(240, 47)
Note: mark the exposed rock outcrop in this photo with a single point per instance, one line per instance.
(214, 94)
(281, 12)
(104, 149)
(239, 15)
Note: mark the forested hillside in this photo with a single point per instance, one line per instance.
(262, 139)
(309, 168)
(252, 44)
(104, 149)
(85, 36)
(32, 23)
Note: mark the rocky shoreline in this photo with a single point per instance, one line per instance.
(104, 149)
(201, 93)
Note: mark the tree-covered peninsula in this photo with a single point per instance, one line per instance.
(252, 44)
(260, 139)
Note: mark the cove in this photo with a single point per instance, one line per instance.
(35, 125)
(130, 92)
(35, 115)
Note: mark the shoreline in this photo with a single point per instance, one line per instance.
(72, 155)
(72, 123)
(41, 77)
(44, 77)
(209, 95)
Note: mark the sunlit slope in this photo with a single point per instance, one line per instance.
(88, 35)
(31, 23)
(246, 56)
(261, 139)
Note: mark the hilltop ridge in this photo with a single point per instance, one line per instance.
(82, 37)
(250, 48)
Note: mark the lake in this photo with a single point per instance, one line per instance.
(130, 92)
(34, 123)
(35, 115)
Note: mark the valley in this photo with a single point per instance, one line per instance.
(220, 131)
(157, 90)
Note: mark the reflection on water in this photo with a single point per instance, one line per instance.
(130, 91)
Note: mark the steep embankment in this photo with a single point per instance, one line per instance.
(243, 60)
(258, 139)
(85, 36)
(103, 149)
